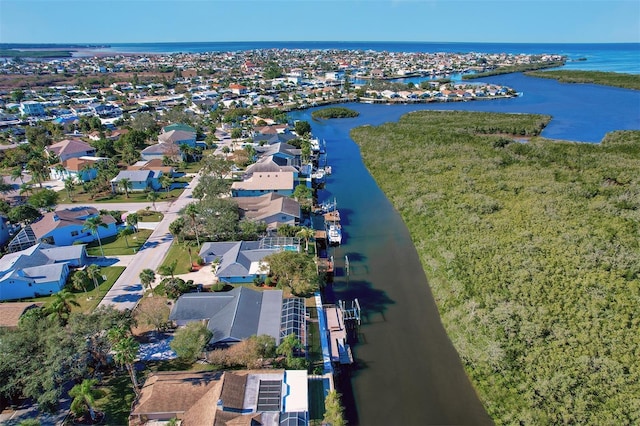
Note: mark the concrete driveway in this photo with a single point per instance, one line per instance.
(127, 290)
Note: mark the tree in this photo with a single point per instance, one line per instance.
(306, 234)
(154, 312)
(189, 341)
(132, 220)
(93, 273)
(290, 347)
(147, 276)
(219, 217)
(44, 199)
(153, 196)
(176, 227)
(124, 233)
(125, 352)
(302, 193)
(69, 185)
(60, 306)
(165, 182)
(295, 270)
(16, 173)
(84, 396)
(192, 211)
(93, 225)
(23, 213)
(333, 410)
(302, 128)
(168, 269)
(79, 280)
(126, 184)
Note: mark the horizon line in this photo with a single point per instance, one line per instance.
(309, 41)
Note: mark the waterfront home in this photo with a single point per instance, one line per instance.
(82, 169)
(270, 164)
(39, 270)
(63, 227)
(239, 397)
(70, 148)
(282, 153)
(237, 261)
(272, 209)
(139, 180)
(232, 316)
(261, 183)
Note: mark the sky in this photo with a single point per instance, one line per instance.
(149, 21)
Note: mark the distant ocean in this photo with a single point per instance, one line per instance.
(615, 57)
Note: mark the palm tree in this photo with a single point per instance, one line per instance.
(125, 183)
(192, 211)
(79, 281)
(147, 276)
(60, 305)
(84, 396)
(93, 225)
(165, 182)
(168, 269)
(307, 234)
(125, 232)
(26, 187)
(125, 350)
(69, 185)
(153, 196)
(17, 174)
(93, 272)
(132, 220)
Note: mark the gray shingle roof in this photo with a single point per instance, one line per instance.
(234, 315)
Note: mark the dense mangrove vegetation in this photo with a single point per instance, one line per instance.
(532, 251)
(626, 81)
(513, 68)
(334, 112)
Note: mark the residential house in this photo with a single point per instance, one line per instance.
(238, 89)
(71, 148)
(162, 150)
(155, 165)
(140, 180)
(32, 109)
(238, 261)
(282, 153)
(270, 164)
(261, 183)
(178, 126)
(240, 397)
(272, 209)
(39, 270)
(63, 227)
(82, 169)
(178, 137)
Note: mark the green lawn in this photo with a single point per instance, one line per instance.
(180, 253)
(79, 196)
(114, 246)
(149, 216)
(90, 300)
(116, 399)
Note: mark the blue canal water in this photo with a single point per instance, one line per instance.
(407, 371)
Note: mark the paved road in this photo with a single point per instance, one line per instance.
(127, 290)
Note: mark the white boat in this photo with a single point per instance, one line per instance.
(334, 234)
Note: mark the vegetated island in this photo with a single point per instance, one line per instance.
(513, 68)
(615, 79)
(334, 112)
(531, 250)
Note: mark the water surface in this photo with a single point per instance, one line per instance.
(407, 371)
